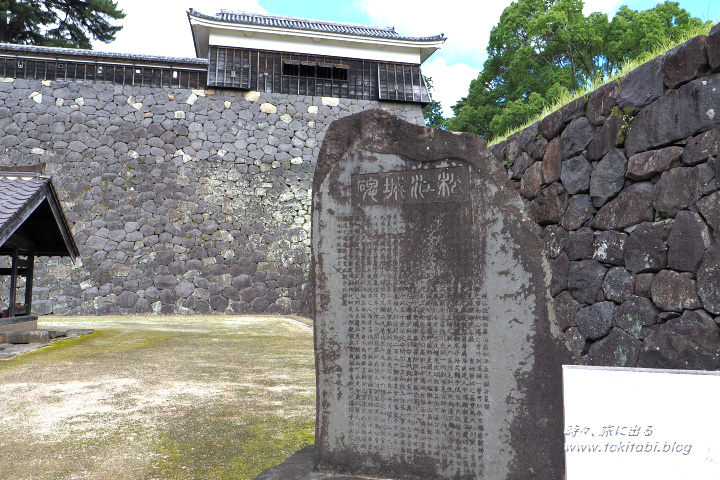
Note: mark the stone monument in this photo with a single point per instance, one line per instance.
(437, 353)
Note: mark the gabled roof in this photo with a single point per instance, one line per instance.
(31, 217)
(248, 18)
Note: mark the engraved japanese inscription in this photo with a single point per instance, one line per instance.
(427, 315)
(412, 186)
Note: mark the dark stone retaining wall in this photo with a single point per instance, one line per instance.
(181, 201)
(624, 183)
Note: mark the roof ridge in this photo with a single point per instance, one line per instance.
(311, 25)
(112, 56)
(305, 19)
(25, 174)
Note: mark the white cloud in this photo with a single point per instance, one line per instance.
(450, 82)
(467, 28)
(160, 27)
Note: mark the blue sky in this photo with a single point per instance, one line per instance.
(160, 27)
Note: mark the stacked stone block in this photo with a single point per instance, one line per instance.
(181, 201)
(624, 185)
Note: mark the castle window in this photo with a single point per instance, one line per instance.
(291, 68)
(307, 69)
(324, 71)
(340, 72)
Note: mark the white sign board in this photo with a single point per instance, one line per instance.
(633, 423)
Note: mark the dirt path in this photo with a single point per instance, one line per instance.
(158, 398)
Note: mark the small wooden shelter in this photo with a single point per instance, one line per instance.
(32, 224)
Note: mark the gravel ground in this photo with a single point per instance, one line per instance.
(158, 398)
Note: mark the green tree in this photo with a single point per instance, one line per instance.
(542, 47)
(432, 112)
(58, 23)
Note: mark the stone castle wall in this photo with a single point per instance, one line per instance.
(181, 201)
(624, 184)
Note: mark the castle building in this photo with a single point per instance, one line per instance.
(298, 56)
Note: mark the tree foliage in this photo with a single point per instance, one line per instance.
(540, 48)
(432, 112)
(58, 23)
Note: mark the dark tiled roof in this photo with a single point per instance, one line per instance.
(97, 56)
(247, 18)
(16, 192)
(21, 194)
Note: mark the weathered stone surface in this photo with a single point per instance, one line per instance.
(595, 321)
(645, 165)
(552, 161)
(499, 150)
(618, 349)
(18, 337)
(710, 209)
(646, 248)
(559, 270)
(574, 109)
(301, 466)
(498, 239)
(674, 292)
(539, 147)
(579, 211)
(619, 285)
(643, 284)
(565, 309)
(552, 125)
(632, 206)
(575, 175)
(556, 239)
(635, 316)
(608, 177)
(642, 86)
(520, 164)
(707, 177)
(605, 139)
(580, 244)
(713, 48)
(576, 136)
(576, 341)
(685, 62)
(708, 280)
(679, 114)
(609, 247)
(550, 204)
(689, 237)
(532, 181)
(699, 148)
(585, 279)
(677, 189)
(689, 342)
(601, 102)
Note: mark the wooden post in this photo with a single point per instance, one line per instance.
(13, 283)
(29, 283)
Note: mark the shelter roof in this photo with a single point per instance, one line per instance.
(31, 217)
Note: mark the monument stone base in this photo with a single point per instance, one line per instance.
(299, 466)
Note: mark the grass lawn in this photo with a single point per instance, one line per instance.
(158, 398)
